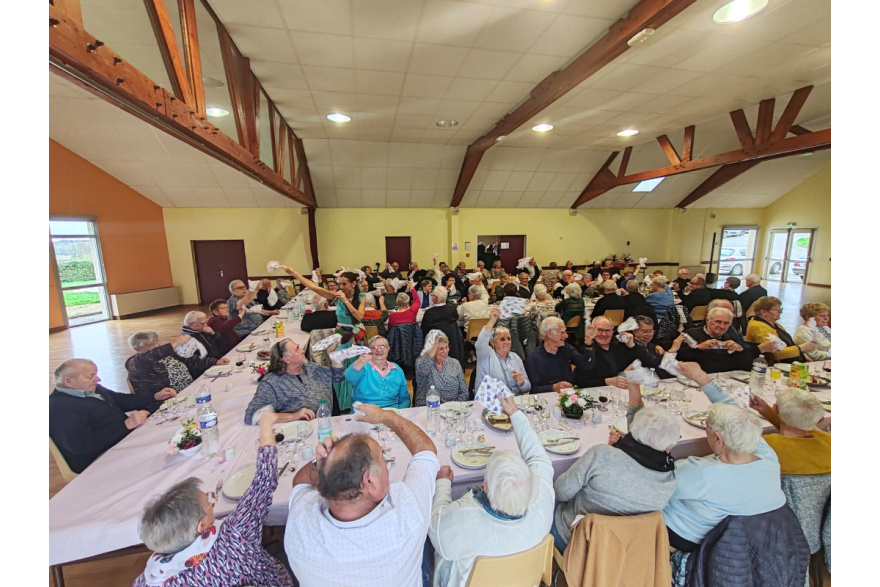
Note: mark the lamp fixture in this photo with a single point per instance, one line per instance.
(542, 127)
(446, 123)
(337, 117)
(738, 10)
(628, 132)
(640, 37)
(216, 112)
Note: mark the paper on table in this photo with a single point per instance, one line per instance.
(628, 324)
(340, 355)
(327, 342)
(487, 394)
(430, 339)
(272, 266)
(511, 306)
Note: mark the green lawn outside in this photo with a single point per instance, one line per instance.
(81, 298)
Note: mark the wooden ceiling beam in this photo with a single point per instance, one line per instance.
(88, 63)
(304, 167)
(645, 14)
(722, 175)
(241, 92)
(669, 150)
(624, 162)
(687, 150)
(161, 23)
(792, 109)
(798, 130)
(765, 121)
(604, 177)
(741, 126)
(192, 54)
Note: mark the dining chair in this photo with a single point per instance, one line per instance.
(66, 472)
(698, 313)
(523, 569)
(475, 325)
(370, 332)
(616, 316)
(808, 497)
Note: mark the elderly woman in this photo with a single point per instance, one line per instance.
(571, 305)
(155, 367)
(802, 448)
(767, 311)
(436, 369)
(240, 298)
(660, 298)
(193, 549)
(449, 281)
(294, 386)
(821, 334)
(632, 474)
(376, 380)
(495, 359)
(497, 271)
(481, 268)
(406, 313)
(543, 304)
(740, 478)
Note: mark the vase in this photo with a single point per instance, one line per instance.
(191, 450)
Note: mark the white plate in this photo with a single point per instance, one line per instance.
(620, 425)
(687, 381)
(568, 448)
(219, 370)
(695, 418)
(246, 348)
(186, 401)
(826, 403)
(291, 429)
(742, 376)
(238, 482)
(447, 407)
(472, 461)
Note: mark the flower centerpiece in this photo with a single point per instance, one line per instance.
(187, 440)
(258, 369)
(573, 401)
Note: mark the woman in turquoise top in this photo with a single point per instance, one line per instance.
(347, 320)
(377, 380)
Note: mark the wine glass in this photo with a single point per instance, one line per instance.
(545, 414)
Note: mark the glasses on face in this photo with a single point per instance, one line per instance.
(606, 330)
(378, 347)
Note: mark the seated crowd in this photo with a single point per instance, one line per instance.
(349, 525)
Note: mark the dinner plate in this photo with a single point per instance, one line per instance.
(742, 376)
(218, 370)
(246, 348)
(688, 381)
(291, 429)
(238, 482)
(568, 448)
(620, 425)
(471, 461)
(826, 403)
(448, 407)
(502, 424)
(695, 418)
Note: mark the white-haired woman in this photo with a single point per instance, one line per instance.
(510, 513)
(820, 333)
(543, 304)
(495, 359)
(435, 368)
(193, 549)
(740, 478)
(632, 474)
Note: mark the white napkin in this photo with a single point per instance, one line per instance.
(191, 347)
(487, 394)
(818, 336)
(690, 341)
(621, 338)
(512, 305)
(397, 283)
(523, 262)
(253, 285)
(285, 283)
(273, 297)
(430, 339)
(315, 278)
(272, 266)
(777, 342)
(670, 364)
(340, 355)
(615, 276)
(361, 274)
(643, 261)
(327, 342)
(578, 277)
(436, 255)
(638, 374)
(255, 309)
(472, 276)
(628, 324)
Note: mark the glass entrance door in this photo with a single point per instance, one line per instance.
(79, 270)
(776, 256)
(788, 254)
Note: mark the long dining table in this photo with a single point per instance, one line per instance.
(98, 511)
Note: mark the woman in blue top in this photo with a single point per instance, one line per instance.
(495, 359)
(347, 320)
(377, 380)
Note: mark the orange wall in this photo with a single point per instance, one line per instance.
(131, 227)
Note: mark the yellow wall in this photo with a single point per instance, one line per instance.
(280, 234)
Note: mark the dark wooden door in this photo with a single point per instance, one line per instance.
(218, 263)
(516, 250)
(397, 249)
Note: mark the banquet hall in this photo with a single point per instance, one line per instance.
(192, 144)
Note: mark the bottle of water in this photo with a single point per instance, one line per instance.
(652, 382)
(433, 403)
(325, 430)
(207, 422)
(758, 375)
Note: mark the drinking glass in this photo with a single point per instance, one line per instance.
(775, 378)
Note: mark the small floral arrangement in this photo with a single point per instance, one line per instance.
(188, 436)
(258, 368)
(574, 401)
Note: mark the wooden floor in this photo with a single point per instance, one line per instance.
(106, 344)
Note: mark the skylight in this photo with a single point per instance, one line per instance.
(648, 184)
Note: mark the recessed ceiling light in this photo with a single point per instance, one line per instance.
(648, 184)
(446, 123)
(738, 10)
(216, 112)
(210, 82)
(628, 132)
(500, 137)
(542, 127)
(337, 117)
(640, 37)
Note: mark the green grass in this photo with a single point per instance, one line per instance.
(77, 298)
(77, 283)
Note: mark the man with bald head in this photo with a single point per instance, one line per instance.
(566, 278)
(610, 299)
(86, 419)
(681, 282)
(372, 532)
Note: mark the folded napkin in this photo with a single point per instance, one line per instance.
(340, 355)
(191, 347)
(523, 262)
(273, 266)
(628, 324)
(512, 306)
(327, 342)
(487, 394)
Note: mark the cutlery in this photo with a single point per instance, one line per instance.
(282, 468)
(561, 440)
(485, 450)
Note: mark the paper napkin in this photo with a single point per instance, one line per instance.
(628, 324)
(512, 306)
(273, 266)
(327, 342)
(430, 339)
(340, 355)
(487, 394)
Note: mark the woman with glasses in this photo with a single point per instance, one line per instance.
(376, 380)
(764, 325)
(436, 368)
(242, 299)
(820, 333)
(192, 548)
(495, 359)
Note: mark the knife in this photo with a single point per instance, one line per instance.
(561, 440)
(282, 468)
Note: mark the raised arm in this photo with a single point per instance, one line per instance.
(413, 438)
(324, 293)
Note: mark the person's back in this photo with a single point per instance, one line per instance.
(661, 301)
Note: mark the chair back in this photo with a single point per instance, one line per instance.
(807, 496)
(475, 325)
(575, 322)
(616, 316)
(370, 332)
(66, 472)
(698, 313)
(405, 342)
(390, 301)
(523, 569)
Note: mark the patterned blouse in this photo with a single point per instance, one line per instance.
(449, 383)
(290, 393)
(249, 322)
(237, 556)
(161, 367)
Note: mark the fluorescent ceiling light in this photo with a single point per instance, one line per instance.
(738, 10)
(446, 123)
(648, 184)
(628, 132)
(542, 127)
(337, 117)
(216, 112)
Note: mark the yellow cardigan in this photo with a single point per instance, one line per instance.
(757, 333)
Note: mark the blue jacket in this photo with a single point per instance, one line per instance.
(660, 301)
(371, 388)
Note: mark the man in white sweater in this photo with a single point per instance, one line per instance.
(512, 512)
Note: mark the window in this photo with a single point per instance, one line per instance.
(79, 269)
(737, 252)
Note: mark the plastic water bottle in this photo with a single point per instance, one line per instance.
(208, 427)
(652, 382)
(758, 375)
(325, 430)
(433, 403)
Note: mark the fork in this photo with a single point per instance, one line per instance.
(215, 495)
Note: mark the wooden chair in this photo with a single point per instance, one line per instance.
(523, 569)
(370, 332)
(698, 313)
(475, 325)
(66, 472)
(573, 324)
(616, 317)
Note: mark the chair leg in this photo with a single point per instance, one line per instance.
(57, 575)
(817, 577)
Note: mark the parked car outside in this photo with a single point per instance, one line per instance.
(732, 260)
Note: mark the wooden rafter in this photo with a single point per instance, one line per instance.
(192, 55)
(792, 109)
(668, 149)
(604, 176)
(241, 92)
(161, 22)
(763, 129)
(303, 166)
(798, 130)
(88, 63)
(687, 149)
(645, 14)
(722, 175)
(624, 162)
(743, 132)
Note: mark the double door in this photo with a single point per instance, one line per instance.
(788, 254)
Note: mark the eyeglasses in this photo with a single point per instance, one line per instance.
(609, 330)
(378, 347)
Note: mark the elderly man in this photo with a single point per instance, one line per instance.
(254, 315)
(728, 292)
(498, 292)
(477, 306)
(86, 419)
(224, 325)
(392, 271)
(595, 270)
(461, 271)
(195, 325)
(526, 285)
(267, 296)
(610, 299)
(293, 385)
(698, 294)
(549, 365)
(754, 290)
(348, 524)
(512, 512)
(608, 356)
(566, 278)
(717, 351)
(440, 312)
(415, 274)
(155, 367)
(681, 282)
